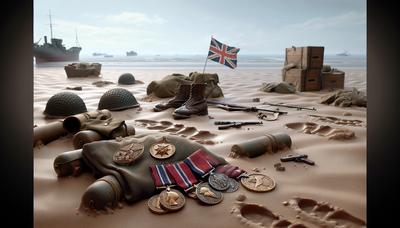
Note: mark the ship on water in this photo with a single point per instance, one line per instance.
(131, 53)
(345, 53)
(55, 51)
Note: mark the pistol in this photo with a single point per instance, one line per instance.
(298, 158)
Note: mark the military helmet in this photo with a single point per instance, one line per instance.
(64, 104)
(126, 79)
(117, 99)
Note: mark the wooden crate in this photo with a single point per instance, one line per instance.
(304, 80)
(310, 57)
(332, 80)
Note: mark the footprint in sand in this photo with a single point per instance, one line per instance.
(324, 214)
(256, 215)
(322, 130)
(203, 137)
(335, 120)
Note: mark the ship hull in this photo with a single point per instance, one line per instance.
(49, 54)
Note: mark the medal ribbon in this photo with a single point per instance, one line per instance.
(208, 157)
(182, 175)
(230, 170)
(198, 164)
(160, 176)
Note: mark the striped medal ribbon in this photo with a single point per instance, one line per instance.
(208, 157)
(161, 177)
(230, 170)
(199, 164)
(182, 175)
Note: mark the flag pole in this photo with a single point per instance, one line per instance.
(205, 63)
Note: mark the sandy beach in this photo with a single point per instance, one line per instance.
(339, 176)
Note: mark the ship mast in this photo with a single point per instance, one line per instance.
(76, 38)
(51, 26)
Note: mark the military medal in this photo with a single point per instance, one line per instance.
(258, 182)
(172, 200)
(127, 154)
(234, 173)
(233, 185)
(154, 205)
(206, 194)
(219, 181)
(162, 149)
(182, 175)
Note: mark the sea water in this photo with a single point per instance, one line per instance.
(196, 62)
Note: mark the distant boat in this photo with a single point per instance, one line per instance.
(98, 54)
(131, 53)
(55, 51)
(108, 56)
(345, 53)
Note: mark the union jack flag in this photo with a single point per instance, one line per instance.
(223, 53)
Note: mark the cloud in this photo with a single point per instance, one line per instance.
(342, 20)
(134, 18)
(101, 38)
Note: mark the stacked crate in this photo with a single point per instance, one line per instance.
(306, 67)
(333, 79)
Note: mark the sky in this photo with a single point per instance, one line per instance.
(179, 27)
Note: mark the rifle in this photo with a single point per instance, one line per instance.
(290, 106)
(235, 124)
(233, 107)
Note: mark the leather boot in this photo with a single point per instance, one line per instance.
(177, 101)
(195, 105)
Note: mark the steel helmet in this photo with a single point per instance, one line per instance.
(117, 99)
(126, 79)
(64, 104)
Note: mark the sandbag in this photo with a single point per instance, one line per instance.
(135, 179)
(278, 87)
(345, 98)
(167, 86)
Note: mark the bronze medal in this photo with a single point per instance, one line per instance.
(172, 200)
(127, 154)
(162, 149)
(207, 194)
(219, 181)
(258, 182)
(154, 205)
(233, 185)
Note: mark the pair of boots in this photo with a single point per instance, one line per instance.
(190, 100)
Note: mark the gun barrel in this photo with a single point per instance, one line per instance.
(291, 106)
(293, 157)
(223, 122)
(251, 122)
(234, 107)
(306, 160)
(229, 126)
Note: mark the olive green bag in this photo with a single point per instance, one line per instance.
(135, 179)
(167, 86)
